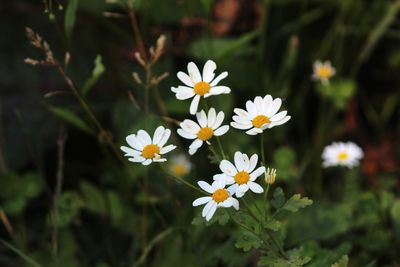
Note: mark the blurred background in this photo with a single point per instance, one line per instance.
(99, 215)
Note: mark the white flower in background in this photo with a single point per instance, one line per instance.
(198, 85)
(242, 175)
(342, 154)
(145, 150)
(323, 71)
(270, 176)
(180, 165)
(220, 197)
(207, 126)
(259, 115)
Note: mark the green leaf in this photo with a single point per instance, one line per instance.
(221, 217)
(273, 224)
(71, 118)
(98, 70)
(248, 241)
(296, 202)
(342, 262)
(94, 199)
(70, 16)
(69, 205)
(278, 198)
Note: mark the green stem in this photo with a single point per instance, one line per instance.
(212, 149)
(262, 150)
(220, 147)
(265, 201)
(179, 179)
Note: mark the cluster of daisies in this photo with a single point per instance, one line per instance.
(240, 176)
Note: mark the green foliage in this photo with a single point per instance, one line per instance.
(70, 16)
(343, 262)
(69, 205)
(296, 202)
(284, 160)
(71, 118)
(18, 191)
(338, 91)
(97, 72)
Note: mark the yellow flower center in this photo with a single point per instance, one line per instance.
(324, 72)
(201, 88)
(205, 133)
(342, 156)
(179, 169)
(260, 120)
(220, 195)
(242, 177)
(150, 151)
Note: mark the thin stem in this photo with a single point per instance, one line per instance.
(265, 201)
(136, 32)
(262, 149)
(212, 149)
(179, 179)
(220, 147)
(58, 187)
(255, 203)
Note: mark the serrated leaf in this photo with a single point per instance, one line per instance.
(296, 202)
(248, 241)
(273, 225)
(342, 262)
(278, 198)
(70, 16)
(71, 118)
(98, 70)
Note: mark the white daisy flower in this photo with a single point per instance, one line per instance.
(198, 85)
(323, 71)
(220, 197)
(207, 126)
(259, 115)
(180, 165)
(145, 150)
(342, 154)
(241, 175)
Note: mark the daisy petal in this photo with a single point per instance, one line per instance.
(256, 188)
(211, 211)
(211, 117)
(134, 142)
(259, 171)
(219, 78)
(201, 201)
(194, 73)
(206, 187)
(202, 118)
(194, 105)
(167, 149)
(158, 134)
(164, 138)
(185, 79)
(186, 135)
(144, 136)
(208, 71)
(227, 167)
(221, 131)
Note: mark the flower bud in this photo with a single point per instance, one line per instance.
(270, 176)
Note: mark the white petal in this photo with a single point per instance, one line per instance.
(227, 167)
(129, 151)
(253, 162)
(227, 203)
(256, 188)
(190, 126)
(185, 79)
(276, 123)
(134, 142)
(232, 189)
(243, 188)
(235, 203)
(208, 71)
(202, 118)
(259, 171)
(194, 73)
(211, 212)
(241, 112)
(206, 187)
(201, 201)
(158, 134)
(218, 90)
(218, 184)
(219, 78)
(241, 126)
(219, 176)
(137, 159)
(196, 143)
(164, 138)
(242, 120)
(221, 131)
(186, 135)
(279, 116)
(206, 208)
(246, 162)
(143, 135)
(251, 108)
(239, 161)
(276, 104)
(193, 151)
(218, 120)
(254, 131)
(167, 149)
(194, 105)
(183, 92)
(160, 160)
(211, 117)
(147, 162)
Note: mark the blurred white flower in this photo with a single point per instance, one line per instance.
(323, 71)
(207, 126)
(259, 115)
(180, 165)
(220, 197)
(145, 150)
(198, 85)
(241, 175)
(342, 154)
